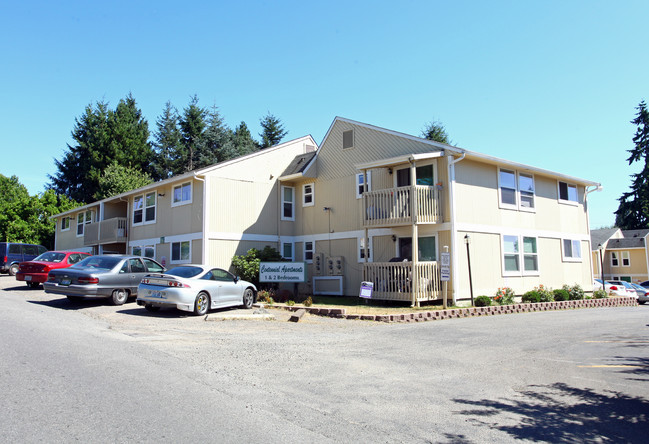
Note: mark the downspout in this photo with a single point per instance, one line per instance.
(451, 198)
(590, 247)
(205, 217)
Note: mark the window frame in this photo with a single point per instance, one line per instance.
(360, 248)
(626, 257)
(87, 216)
(65, 223)
(143, 248)
(518, 192)
(359, 183)
(568, 186)
(180, 259)
(520, 255)
(571, 256)
(285, 202)
(615, 261)
(144, 208)
(292, 247)
(306, 251)
(351, 132)
(182, 201)
(310, 194)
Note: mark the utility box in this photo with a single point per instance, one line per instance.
(319, 265)
(335, 266)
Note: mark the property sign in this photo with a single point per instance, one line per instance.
(282, 272)
(366, 290)
(445, 270)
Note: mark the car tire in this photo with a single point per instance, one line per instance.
(201, 304)
(151, 308)
(32, 284)
(641, 302)
(248, 298)
(13, 269)
(74, 298)
(119, 296)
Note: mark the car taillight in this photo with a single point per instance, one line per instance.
(613, 287)
(88, 280)
(177, 284)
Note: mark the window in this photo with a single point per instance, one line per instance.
(568, 193)
(571, 250)
(517, 260)
(615, 262)
(287, 250)
(348, 139)
(144, 208)
(361, 250)
(516, 190)
(181, 252)
(308, 251)
(82, 220)
(626, 259)
(182, 194)
(288, 203)
(144, 251)
(360, 181)
(427, 248)
(307, 195)
(65, 224)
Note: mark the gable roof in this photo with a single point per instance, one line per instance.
(602, 236)
(298, 166)
(631, 239)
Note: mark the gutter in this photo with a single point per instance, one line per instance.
(205, 213)
(598, 187)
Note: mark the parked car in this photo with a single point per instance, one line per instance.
(195, 288)
(35, 272)
(612, 289)
(643, 293)
(115, 277)
(630, 291)
(13, 253)
(645, 284)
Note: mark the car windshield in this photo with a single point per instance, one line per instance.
(50, 256)
(98, 262)
(185, 272)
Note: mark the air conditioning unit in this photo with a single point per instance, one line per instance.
(318, 264)
(335, 266)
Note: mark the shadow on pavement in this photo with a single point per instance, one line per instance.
(67, 304)
(560, 413)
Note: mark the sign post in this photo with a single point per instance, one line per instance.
(445, 273)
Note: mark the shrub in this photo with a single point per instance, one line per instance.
(504, 296)
(290, 303)
(545, 294)
(531, 296)
(576, 292)
(308, 301)
(561, 295)
(247, 266)
(599, 294)
(482, 301)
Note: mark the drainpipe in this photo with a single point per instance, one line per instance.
(598, 187)
(205, 217)
(452, 203)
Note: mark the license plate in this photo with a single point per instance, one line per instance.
(65, 282)
(156, 294)
(28, 278)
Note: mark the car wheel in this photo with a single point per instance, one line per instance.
(202, 304)
(248, 298)
(13, 270)
(119, 296)
(151, 308)
(641, 302)
(32, 284)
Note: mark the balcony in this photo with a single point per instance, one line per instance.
(394, 281)
(107, 231)
(394, 206)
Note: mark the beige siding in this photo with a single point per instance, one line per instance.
(637, 268)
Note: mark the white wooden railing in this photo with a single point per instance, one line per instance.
(394, 280)
(394, 206)
(105, 232)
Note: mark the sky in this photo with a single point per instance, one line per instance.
(551, 84)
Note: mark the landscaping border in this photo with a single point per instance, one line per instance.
(453, 313)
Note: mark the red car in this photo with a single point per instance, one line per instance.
(35, 272)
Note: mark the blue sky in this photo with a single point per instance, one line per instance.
(553, 84)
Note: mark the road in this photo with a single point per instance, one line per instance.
(91, 372)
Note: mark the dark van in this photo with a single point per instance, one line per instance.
(11, 254)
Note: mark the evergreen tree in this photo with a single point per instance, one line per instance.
(435, 131)
(633, 211)
(215, 144)
(167, 143)
(192, 126)
(272, 131)
(242, 141)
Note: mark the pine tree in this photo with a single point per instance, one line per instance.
(272, 131)
(242, 141)
(215, 145)
(167, 143)
(192, 125)
(435, 131)
(633, 211)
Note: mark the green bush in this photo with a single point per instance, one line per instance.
(561, 295)
(247, 266)
(308, 302)
(504, 296)
(545, 294)
(265, 296)
(531, 297)
(482, 301)
(576, 292)
(290, 303)
(599, 294)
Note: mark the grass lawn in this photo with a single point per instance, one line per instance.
(356, 305)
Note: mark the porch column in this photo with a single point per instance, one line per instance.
(415, 235)
(366, 243)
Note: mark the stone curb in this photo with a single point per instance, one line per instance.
(456, 313)
(240, 317)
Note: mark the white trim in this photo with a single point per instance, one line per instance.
(521, 257)
(359, 184)
(330, 278)
(144, 208)
(304, 251)
(527, 232)
(567, 201)
(360, 247)
(614, 254)
(282, 202)
(144, 247)
(627, 258)
(182, 202)
(312, 194)
(571, 258)
(180, 261)
(518, 192)
(292, 244)
(65, 229)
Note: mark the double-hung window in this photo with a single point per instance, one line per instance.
(626, 259)
(307, 195)
(520, 255)
(571, 250)
(568, 193)
(360, 184)
(287, 250)
(181, 252)
(144, 251)
(308, 251)
(144, 208)
(82, 220)
(288, 203)
(65, 224)
(182, 194)
(516, 190)
(361, 250)
(615, 260)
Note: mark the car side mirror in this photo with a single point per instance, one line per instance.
(236, 279)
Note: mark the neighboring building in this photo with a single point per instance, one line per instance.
(356, 209)
(623, 254)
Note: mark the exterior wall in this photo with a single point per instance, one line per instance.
(636, 270)
(68, 239)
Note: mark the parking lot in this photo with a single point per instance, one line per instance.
(574, 375)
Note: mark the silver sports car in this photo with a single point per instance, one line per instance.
(195, 288)
(109, 276)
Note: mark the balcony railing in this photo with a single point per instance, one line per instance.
(394, 206)
(394, 281)
(105, 232)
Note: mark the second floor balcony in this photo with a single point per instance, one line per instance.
(107, 231)
(403, 206)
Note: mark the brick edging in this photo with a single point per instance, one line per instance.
(467, 312)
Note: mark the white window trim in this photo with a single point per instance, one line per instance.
(563, 250)
(292, 217)
(182, 202)
(521, 256)
(180, 261)
(615, 257)
(143, 249)
(84, 223)
(358, 183)
(284, 244)
(304, 251)
(144, 207)
(359, 247)
(567, 201)
(68, 219)
(517, 191)
(626, 256)
(312, 194)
